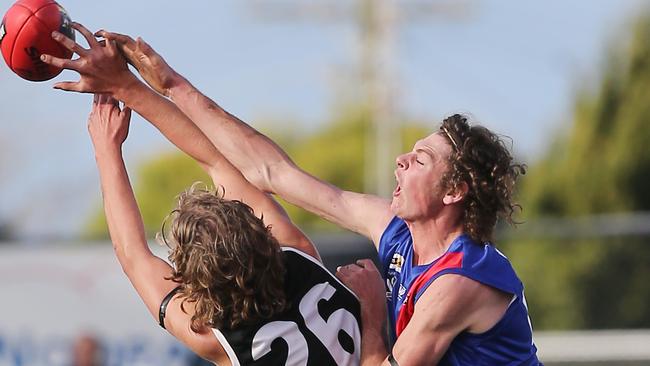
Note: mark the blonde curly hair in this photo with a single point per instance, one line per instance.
(225, 259)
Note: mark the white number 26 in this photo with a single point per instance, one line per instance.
(326, 330)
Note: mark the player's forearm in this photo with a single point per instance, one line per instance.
(122, 214)
(374, 336)
(373, 345)
(269, 168)
(255, 155)
(171, 122)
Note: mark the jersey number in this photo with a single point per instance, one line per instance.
(326, 330)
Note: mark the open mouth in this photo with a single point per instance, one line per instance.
(397, 190)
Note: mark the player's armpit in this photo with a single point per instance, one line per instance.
(149, 275)
(365, 214)
(204, 343)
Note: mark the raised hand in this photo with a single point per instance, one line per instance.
(107, 124)
(151, 66)
(102, 67)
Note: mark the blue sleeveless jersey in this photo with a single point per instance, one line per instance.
(509, 342)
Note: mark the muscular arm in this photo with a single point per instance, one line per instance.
(444, 310)
(265, 164)
(452, 304)
(180, 130)
(261, 161)
(103, 69)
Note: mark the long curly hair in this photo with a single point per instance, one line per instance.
(225, 259)
(481, 159)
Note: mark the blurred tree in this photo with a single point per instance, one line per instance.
(157, 183)
(601, 166)
(335, 153)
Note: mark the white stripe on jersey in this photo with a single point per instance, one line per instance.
(226, 346)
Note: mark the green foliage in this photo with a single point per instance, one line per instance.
(159, 181)
(337, 155)
(602, 165)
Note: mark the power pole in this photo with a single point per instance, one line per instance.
(378, 21)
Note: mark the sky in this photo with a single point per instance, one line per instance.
(515, 66)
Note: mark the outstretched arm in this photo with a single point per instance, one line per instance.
(451, 305)
(108, 127)
(104, 68)
(263, 162)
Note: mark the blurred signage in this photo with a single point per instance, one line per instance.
(52, 296)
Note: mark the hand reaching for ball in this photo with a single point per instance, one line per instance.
(151, 66)
(102, 67)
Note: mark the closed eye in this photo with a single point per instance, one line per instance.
(419, 162)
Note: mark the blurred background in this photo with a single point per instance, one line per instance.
(344, 86)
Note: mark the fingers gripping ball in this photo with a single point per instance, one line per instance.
(26, 33)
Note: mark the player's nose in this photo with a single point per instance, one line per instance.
(402, 161)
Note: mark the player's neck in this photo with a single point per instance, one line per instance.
(432, 238)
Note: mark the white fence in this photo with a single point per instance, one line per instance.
(594, 346)
(52, 294)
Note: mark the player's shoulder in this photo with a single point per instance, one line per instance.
(484, 263)
(455, 294)
(454, 284)
(297, 254)
(478, 252)
(304, 263)
(396, 235)
(395, 226)
(296, 257)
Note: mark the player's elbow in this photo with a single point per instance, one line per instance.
(259, 176)
(122, 258)
(269, 177)
(128, 257)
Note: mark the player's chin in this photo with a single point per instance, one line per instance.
(400, 209)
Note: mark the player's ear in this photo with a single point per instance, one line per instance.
(456, 194)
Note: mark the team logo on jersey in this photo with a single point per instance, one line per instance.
(396, 263)
(394, 270)
(390, 283)
(401, 292)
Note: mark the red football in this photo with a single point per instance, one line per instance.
(26, 33)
